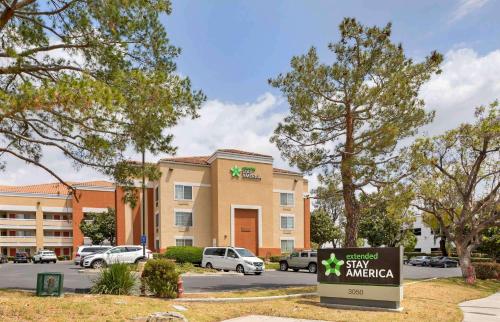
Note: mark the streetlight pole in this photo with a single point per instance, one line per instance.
(143, 204)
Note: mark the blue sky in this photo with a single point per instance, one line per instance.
(230, 48)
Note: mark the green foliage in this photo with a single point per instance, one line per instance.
(100, 227)
(86, 78)
(457, 180)
(185, 254)
(274, 259)
(349, 116)
(409, 242)
(386, 219)
(486, 271)
(160, 277)
(117, 279)
(490, 242)
(323, 229)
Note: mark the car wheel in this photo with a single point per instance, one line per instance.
(98, 264)
(312, 267)
(240, 269)
(209, 266)
(55, 261)
(283, 266)
(138, 260)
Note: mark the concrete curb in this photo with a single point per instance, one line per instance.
(244, 299)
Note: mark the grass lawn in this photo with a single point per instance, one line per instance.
(426, 301)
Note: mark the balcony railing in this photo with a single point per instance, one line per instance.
(57, 224)
(18, 240)
(14, 223)
(57, 241)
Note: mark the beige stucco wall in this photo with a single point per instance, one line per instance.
(38, 203)
(295, 184)
(200, 178)
(215, 191)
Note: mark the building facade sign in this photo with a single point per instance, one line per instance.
(245, 173)
(361, 276)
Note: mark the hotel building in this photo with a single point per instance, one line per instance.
(228, 198)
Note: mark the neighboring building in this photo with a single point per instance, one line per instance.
(47, 216)
(426, 240)
(228, 198)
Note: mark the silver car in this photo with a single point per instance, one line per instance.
(306, 259)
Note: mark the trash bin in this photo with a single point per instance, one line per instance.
(49, 284)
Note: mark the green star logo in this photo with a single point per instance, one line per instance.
(332, 265)
(235, 171)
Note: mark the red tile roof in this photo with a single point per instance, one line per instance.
(243, 152)
(283, 171)
(201, 160)
(55, 188)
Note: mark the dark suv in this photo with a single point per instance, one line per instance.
(22, 257)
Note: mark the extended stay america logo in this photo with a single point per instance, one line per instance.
(357, 265)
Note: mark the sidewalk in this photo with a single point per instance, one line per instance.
(482, 310)
(264, 318)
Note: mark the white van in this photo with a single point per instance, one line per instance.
(236, 259)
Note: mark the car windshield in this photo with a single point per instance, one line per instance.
(243, 252)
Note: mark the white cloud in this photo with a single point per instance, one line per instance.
(465, 7)
(467, 81)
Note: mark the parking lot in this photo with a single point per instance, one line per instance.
(23, 276)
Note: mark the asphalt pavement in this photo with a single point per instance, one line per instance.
(23, 276)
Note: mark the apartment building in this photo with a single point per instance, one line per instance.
(228, 198)
(47, 216)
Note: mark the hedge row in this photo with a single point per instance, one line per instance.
(487, 270)
(184, 254)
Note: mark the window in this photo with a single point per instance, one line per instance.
(314, 255)
(417, 231)
(303, 254)
(434, 249)
(157, 220)
(231, 253)
(183, 192)
(287, 245)
(157, 244)
(417, 250)
(286, 199)
(157, 195)
(184, 218)
(183, 242)
(287, 222)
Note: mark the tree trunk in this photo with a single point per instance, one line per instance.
(348, 190)
(464, 258)
(442, 245)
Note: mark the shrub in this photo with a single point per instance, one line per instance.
(116, 279)
(160, 277)
(274, 259)
(487, 270)
(185, 254)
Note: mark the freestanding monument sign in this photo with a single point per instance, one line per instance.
(361, 277)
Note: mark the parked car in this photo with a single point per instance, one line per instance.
(236, 259)
(3, 259)
(83, 251)
(306, 259)
(405, 260)
(119, 254)
(22, 257)
(44, 256)
(420, 261)
(443, 261)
